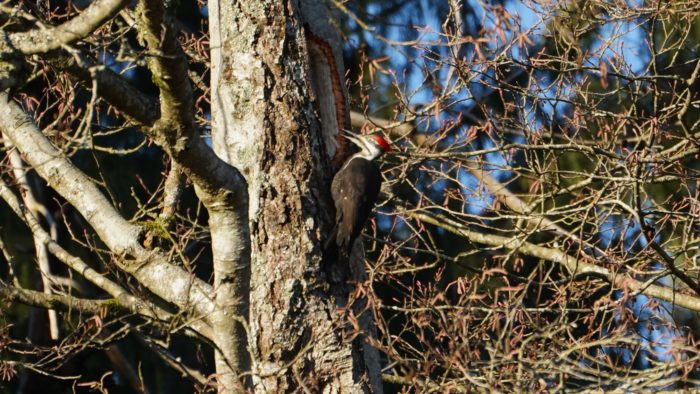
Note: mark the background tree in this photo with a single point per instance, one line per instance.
(557, 139)
(165, 184)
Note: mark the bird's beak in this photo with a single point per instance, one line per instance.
(352, 137)
(350, 133)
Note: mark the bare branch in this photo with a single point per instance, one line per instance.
(122, 298)
(59, 301)
(575, 266)
(44, 39)
(150, 267)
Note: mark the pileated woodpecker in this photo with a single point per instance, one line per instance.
(355, 188)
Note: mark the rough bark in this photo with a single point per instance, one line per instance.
(265, 124)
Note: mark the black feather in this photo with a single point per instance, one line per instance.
(354, 189)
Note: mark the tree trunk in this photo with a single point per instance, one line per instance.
(265, 123)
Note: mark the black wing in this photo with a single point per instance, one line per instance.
(355, 189)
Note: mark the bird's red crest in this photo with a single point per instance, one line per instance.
(382, 143)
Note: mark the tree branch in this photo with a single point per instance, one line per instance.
(151, 268)
(174, 362)
(42, 256)
(219, 186)
(120, 294)
(44, 39)
(60, 301)
(114, 88)
(575, 266)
